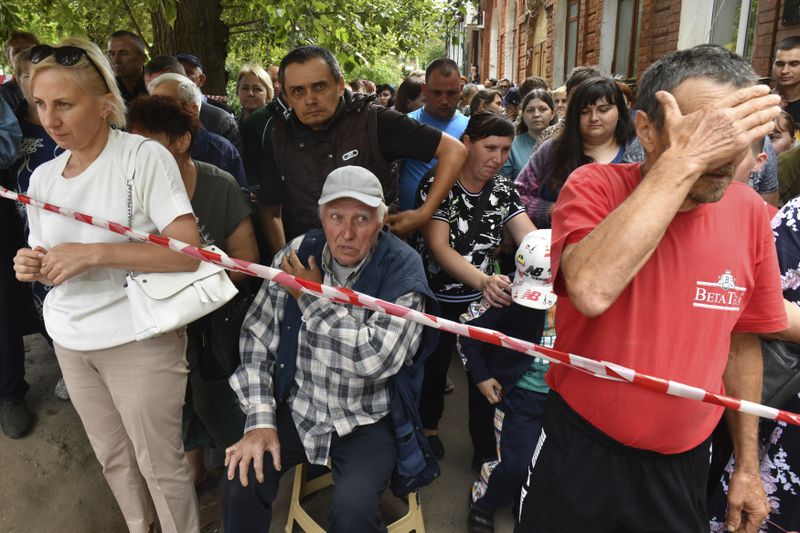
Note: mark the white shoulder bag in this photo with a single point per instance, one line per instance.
(165, 301)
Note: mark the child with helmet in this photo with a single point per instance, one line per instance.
(511, 380)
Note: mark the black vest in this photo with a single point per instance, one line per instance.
(305, 158)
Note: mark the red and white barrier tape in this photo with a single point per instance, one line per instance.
(601, 369)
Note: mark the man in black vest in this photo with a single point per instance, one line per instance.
(315, 375)
(328, 128)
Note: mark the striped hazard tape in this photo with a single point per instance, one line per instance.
(601, 369)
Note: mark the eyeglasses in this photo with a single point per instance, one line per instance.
(66, 56)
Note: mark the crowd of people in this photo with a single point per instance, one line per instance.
(654, 227)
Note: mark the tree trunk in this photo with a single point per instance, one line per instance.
(198, 30)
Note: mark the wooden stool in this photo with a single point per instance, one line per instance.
(301, 488)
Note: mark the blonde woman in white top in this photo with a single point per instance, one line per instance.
(128, 394)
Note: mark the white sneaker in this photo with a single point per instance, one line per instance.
(60, 390)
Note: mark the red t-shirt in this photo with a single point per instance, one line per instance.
(714, 272)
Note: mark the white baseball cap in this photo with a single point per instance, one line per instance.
(533, 282)
(352, 182)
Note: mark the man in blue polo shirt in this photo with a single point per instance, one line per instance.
(442, 90)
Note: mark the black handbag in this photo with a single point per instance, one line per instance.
(781, 372)
(219, 346)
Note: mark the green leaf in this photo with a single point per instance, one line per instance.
(170, 11)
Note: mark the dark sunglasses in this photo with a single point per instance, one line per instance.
(66, 56)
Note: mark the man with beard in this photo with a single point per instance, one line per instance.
(668, 268)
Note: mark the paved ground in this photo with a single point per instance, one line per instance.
(52, 482)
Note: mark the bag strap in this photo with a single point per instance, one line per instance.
(129, 182)
(462, 244)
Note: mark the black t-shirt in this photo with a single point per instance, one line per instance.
(793, 108)
(399, 137)
(139, 90)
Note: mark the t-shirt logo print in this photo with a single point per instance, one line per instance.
(722, 295)
(726, 281)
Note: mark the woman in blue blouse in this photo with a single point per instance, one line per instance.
(536, 113)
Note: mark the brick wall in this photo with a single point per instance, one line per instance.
(551, 32)
(769, 32)
(488, 8)
(589, 22)
(521, 43)
(521, 22)
(658, 35)
(589, 32)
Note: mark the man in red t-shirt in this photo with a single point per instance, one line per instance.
(666, 268)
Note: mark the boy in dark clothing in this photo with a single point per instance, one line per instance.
(510, 379)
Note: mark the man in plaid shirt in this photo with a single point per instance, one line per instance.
(314, 375)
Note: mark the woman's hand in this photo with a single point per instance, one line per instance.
(496, 290)
(67, 260)
(28, 265)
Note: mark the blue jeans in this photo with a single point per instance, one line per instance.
(362, 463)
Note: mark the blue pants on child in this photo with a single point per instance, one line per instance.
(518, 422)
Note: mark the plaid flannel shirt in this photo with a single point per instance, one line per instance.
(345, 357)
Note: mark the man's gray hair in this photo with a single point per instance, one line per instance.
(188, 92)
(380, 211)
(708, 61)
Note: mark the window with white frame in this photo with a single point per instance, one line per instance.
(626, 42)
(571, 41)
(733, 25)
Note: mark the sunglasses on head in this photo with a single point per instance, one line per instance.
(66, 56)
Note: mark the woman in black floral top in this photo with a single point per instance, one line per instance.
(779, 447)
(458, 248)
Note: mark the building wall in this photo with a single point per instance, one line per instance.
(770, 30)
(662, 30)
(658, 35)
(488, 12)
(589, 32)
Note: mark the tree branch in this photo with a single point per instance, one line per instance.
(247, 23)
(251, 30)
(135, 23)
